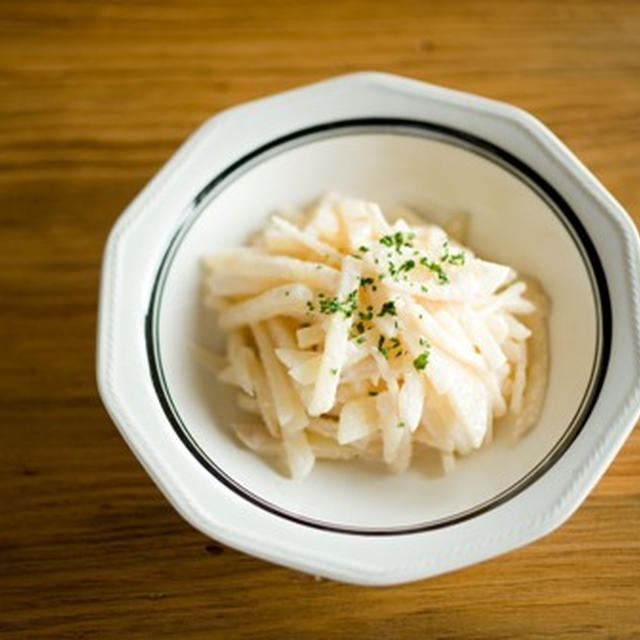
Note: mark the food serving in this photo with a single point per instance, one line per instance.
(355, 335)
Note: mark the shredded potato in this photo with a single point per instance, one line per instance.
(353, 337)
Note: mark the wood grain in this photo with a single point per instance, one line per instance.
(94, 97)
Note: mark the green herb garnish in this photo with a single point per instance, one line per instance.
(407, 266)
(421, 361)
(388, 308)
(443, 278)
(347, 306)
(398, 240)
(451, 258)
(381, 348)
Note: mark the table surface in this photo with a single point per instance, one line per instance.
(94, 97)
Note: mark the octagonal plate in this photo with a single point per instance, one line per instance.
(135, 262)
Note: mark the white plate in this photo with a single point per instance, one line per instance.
(392, 140)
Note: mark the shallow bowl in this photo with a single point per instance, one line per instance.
(395, 141)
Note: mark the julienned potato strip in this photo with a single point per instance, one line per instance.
(350, 336)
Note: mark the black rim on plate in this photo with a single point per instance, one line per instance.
(395, 126)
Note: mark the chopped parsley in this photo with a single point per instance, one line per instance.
(400, 425)
(398, 240)
(420, 362)
(381, 348)
(334, 372)
(363, 249)
(407, 266)
(451, 258)
(347, 306)
(443, 278)
(389, 308)
(310, 305)
(357, 330)
(365, 281)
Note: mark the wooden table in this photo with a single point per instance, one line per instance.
(94, 97)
